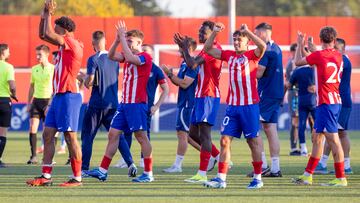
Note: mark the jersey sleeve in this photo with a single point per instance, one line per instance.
(225, 55)
(312, 58)
(160, 77)
(32, 79)
(192, 73)
(71, 44)
(252, 56)
(11, 73)
(91, 66)
(145, 58)
(264, 60)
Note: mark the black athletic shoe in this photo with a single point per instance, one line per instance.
(2, 164)
(263, 172)
(295, 153)
(273, 175)
(68, 162)
(32, 160)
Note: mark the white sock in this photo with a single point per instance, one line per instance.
(47, 175)
(222, 176)
(202, 173)
(303, 147)
(347, 163)
(178, 161)
(257, 176)
(263, 159)
(307, 174)
(323, 160)
(103, 170)
(78, 178)
(275, 164)
(149, 173)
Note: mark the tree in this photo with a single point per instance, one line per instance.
(290, 8)
(146, 8)
(102, 8)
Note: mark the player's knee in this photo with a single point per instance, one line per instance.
(224, 142)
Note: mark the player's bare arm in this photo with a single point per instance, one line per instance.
(299, 60)
(183, 43)
(128, 54)
(260, 44)
(49, 34)
(183, 83)
(113, 55)
(208, 46)
(30, 96)
(12, 88)
(165, 91)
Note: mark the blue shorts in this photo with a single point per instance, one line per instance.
(344, 118)
(241, 119)
(269, 110)
(205, 110)
(327, 118)
(64, 112)
(131, 117)
(183, 118)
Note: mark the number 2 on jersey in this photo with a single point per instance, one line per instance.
(335, 76)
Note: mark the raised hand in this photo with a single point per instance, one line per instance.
(219, 27)
(300, 38)
(50, 6)
(311, 44)
(120, 30)
(244, 28)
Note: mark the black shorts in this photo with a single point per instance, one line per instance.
(38, 107)
(5, 112)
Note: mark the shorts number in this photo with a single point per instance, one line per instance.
(333, 78)
(226, 120)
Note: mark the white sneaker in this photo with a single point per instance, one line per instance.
(173, 169)
(141, 163)
(121, 164)
(304, 154)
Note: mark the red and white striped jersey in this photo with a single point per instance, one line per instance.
(242, 77)
(67, 66)
(135, 80)
(328, 65)
(209, 76)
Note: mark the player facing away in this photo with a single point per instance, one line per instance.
(242, 114)
(346, 104)
(40, 91)
(157, 78)
(131, 114)
(328, 64)
(102, 76)
(7, 92)
(207, 100)
(271, 92)
(186, 80)
(63, 112)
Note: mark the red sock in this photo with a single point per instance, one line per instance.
(257, 167)
(223, 167)
(312, 163)
(105, 163)
(339, 170)
(214, 151)
(47, 169)
(204, 160)
(148, 164)
(76, 167)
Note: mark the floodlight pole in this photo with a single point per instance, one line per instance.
(232, 18)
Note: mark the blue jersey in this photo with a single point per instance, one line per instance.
(156, 78)
(104, 92)
(186, 96)
(271, 84)
(345, 89)
(304, 77)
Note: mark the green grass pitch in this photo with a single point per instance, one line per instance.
(171, 187)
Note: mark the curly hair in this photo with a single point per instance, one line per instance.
(66, 23)
(328, 34)
(209, 23)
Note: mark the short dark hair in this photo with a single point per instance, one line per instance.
(293, 47)
(66, 23)
(209, 23)
(341, 41)
(43, 47)
(135, 33)
(265, 26)
(192, 43)
(241, 34)
(3, 47)
(328, 34)
(98, 35)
